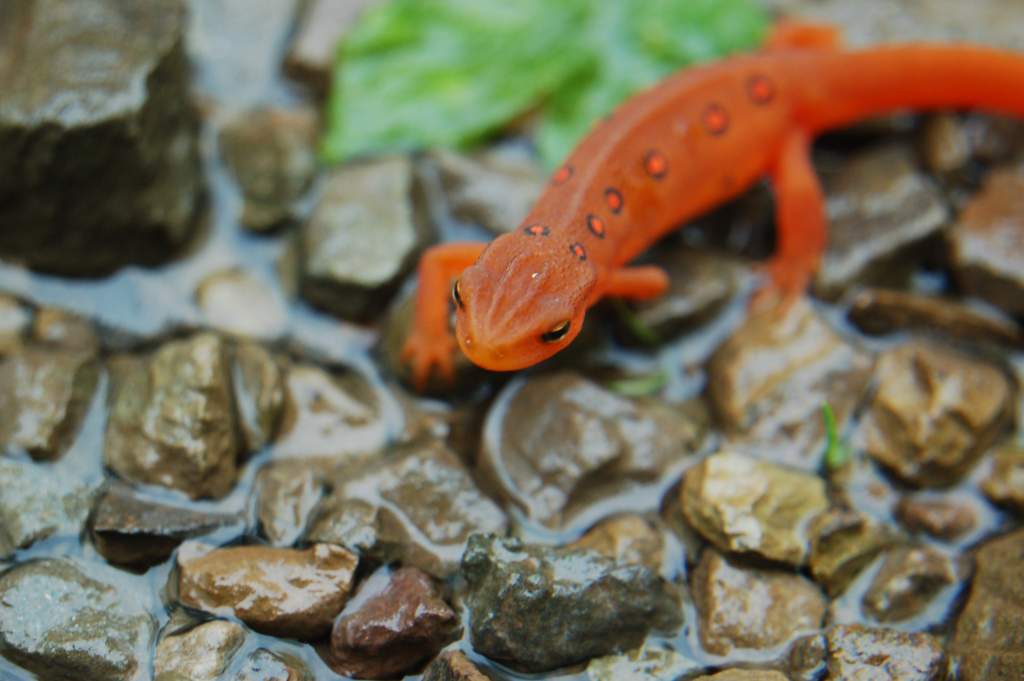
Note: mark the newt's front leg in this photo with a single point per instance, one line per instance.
(430, 343)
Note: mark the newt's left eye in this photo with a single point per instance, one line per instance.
(457, 295)
(556, 333)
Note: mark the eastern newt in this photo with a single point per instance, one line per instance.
(696, 139)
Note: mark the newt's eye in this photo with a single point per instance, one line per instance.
(457, 295)
(556, 333)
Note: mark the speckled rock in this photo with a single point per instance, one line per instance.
(535, 609)
(263, 665)
(744, 505)
(98, 154)
(1005, 483)
(494, 188)
(844, 542)
(235, 302)
(286, 494)
(767, 383)
(128, 529)
(283, 592)
(908, 581)
(987, 243)
(554, 442)
(44, 394)
(881, 208)
(258, 380)
(988, 640)
(453, 665)
(881, 311)
(859, 652)
(941, 517)
(934, 412)
(627, 539)
(363, 237)
(201, 654)
(425, 504)
(805, 659)
(741, 608)
(172, 421)
(89, 625)
(314, 47)
(400, 622)
(38, 502)
(647, 663)
(740, 674)
(14, 321)
(271, 153)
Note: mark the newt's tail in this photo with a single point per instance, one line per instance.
(840, 88)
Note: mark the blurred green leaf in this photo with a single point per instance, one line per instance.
(837, 452)
(416, 73)
(639, 386)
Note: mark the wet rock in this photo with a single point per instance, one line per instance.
(739, 674)
(626, 539)
(44, 395)
(99, 85)
(335, 418)
(81, 626)
(172, 421)
(351, 523)
(402, 622)
(263, 665)
(201, 654)
(323, 24)
(805, 659)
(128, 529)
(744, 505)
(879, 311)
(14, 321)
(934, 412)
(988, 641)
(453, 665)
(494, 188)
(283, 592)
(237, 303)
(647, 663)
(1005, 483)
(987, 243)
(554, 443)
(535, 608)
(66, 330)
(270, 151)
(881, 209)
(286, 495)
(859, 652)
(258, 381)
(363, 236)
(844, 542)
(746, 608)
(38, 502)
(767, 383)
(909, 579)
(426, 507)
(939, 517)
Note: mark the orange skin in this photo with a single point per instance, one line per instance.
(669, 154)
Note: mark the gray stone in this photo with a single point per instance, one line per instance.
(200, 654)
(859, 652)
(314, 48)
(647, 663)
(286, 494)
(36, 503)
(258, 380)
(263, 665)
(237, 303)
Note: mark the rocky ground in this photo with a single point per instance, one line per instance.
(214, 470)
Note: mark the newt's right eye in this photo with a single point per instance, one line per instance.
(457, 295)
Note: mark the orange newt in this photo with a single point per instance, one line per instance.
(698, 138)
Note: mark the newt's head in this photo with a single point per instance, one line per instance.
(520, 303)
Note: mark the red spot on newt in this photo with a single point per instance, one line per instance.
(613, 197)
(578, 250)
(716, 119)
(537, 230)
(562, 175)
(596, 226)
(655, 164)
(761, 89)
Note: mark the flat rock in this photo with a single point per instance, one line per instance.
(647, 663)
(844, 542)
(535, 608)
(322, 26)
(744, 505)
(364, 235)
(172, 419)
(99, 85)
(943, 518)
(859, 652)
(237, 303)
(271, 152)
(200, 654)
(1005, 483)
(37, 503)
(286, 494)
(453, 665)
(400, 622)
(84, 624)
(263, 665)
(934, 412)
(258, 380)
(283, 592)
(128, 529)
(988, 641)
(767, 383)
(741, 608)
(555, 443)
(627, 539)
(910, 578)
(44, 395)
(987, 242)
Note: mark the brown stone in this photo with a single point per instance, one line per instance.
(626, 539)
(744, 675)
(314, 48)
(287, 493)
(859, 652)
(910, 578)
(844, 542)
(943, 518)
(453, 665)
(1005, 484)
(201, 654)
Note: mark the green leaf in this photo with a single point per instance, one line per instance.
(417, 73)
(837, 452)
(639, 386)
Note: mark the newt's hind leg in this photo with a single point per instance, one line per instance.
(800, 219)
(791, 33)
